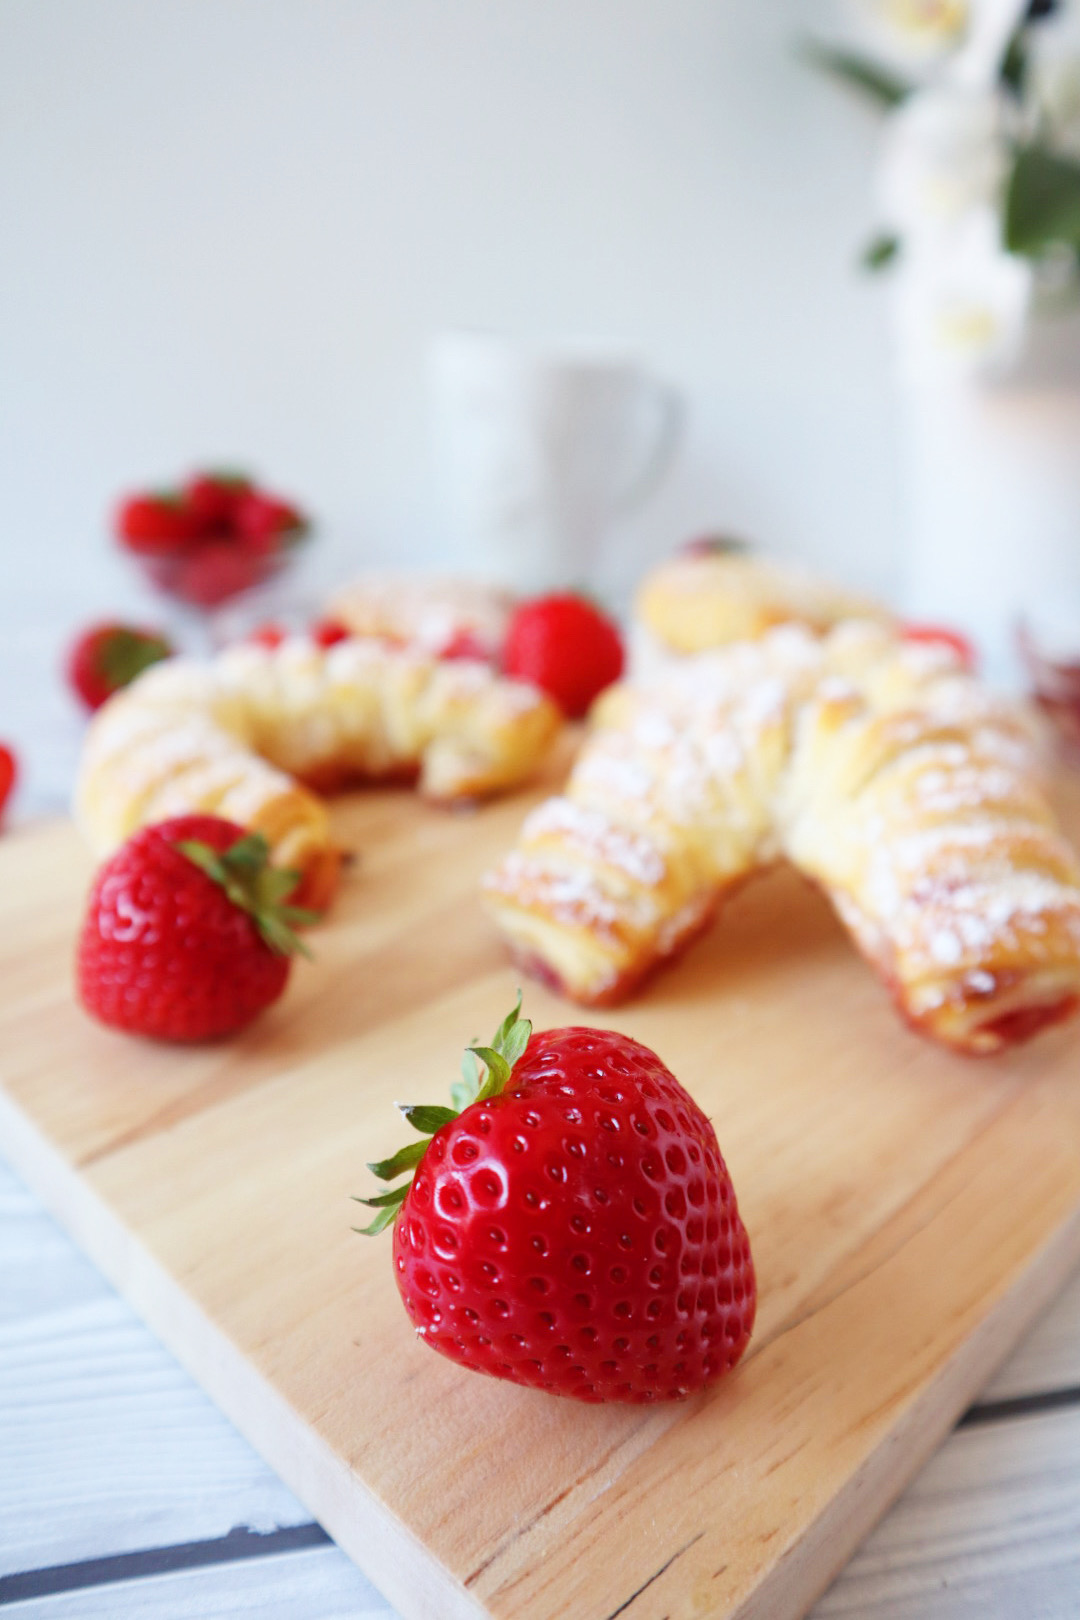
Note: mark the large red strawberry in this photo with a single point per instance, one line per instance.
(187, 936)
(109, 656)
(570, 1223)
(9, 771)
(567, 647)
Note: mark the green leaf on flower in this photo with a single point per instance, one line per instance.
(880, 252)
(1042, 202)
(878, 84)
(1014, 64)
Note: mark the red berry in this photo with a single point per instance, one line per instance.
(156, 525)
(216, 572)
(268, 635)
(328, 632)
(109, 656)
(212, 499)
(263, 523)
(576, 1228)
(567, 647)
(9, 771)
(466, 644)
(935, 635)
(166, 951)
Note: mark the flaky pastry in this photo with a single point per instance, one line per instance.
(709, 595)
(880, 769)
(429, 614)
(256, 733)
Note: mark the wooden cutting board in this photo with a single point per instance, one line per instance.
(909, 1212)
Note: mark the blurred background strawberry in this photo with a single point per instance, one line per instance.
(106, 657)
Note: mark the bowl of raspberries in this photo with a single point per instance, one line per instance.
(212, 538)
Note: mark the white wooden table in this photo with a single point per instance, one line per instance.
(124, 1493)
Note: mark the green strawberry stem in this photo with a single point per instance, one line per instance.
(126, 653)
(245, 873)
(508, 1043)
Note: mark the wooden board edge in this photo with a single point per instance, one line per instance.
(814, 1562)
(405, 1572)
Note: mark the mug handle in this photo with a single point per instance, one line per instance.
(668, 407)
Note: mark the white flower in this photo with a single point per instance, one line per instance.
(977, 64)
(961, 302)
(965, 39)
(944, 155)
(1054, 67)
(914, 33)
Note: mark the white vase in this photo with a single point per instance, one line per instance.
(993, 485)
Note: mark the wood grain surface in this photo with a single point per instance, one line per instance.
(909, 1212)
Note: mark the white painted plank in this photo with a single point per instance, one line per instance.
(991, 1528)
(1049, 1357)
(320, 1584)
(107, 1445)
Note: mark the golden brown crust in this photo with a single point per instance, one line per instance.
(251, 734)
(882, 770)
(698, 601)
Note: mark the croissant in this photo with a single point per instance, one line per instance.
(255, 734)
(431, 615)
(712, 593)
(880, 769)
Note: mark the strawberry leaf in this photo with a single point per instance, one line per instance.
(465, 1091)
(385, 1217)
(508, 1044)
(406, 1158)
(498, 1072)
(427, 1117)
(244, 872)
(384, 1200)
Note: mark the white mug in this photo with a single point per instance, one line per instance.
(539, 449)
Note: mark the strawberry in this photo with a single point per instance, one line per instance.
(9, 772)
(109, 656)
(268, 635)
(212, 499)
(217, 571)
(465, 644)
(156, 525)
(328, 632)
(186, 936)
(263, 523)
(567, 647)
(570, 1223)
(937, 635)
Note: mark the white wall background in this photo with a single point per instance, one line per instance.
(230, 228)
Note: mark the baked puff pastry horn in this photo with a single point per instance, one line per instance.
(257, 733)
(880, 769)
